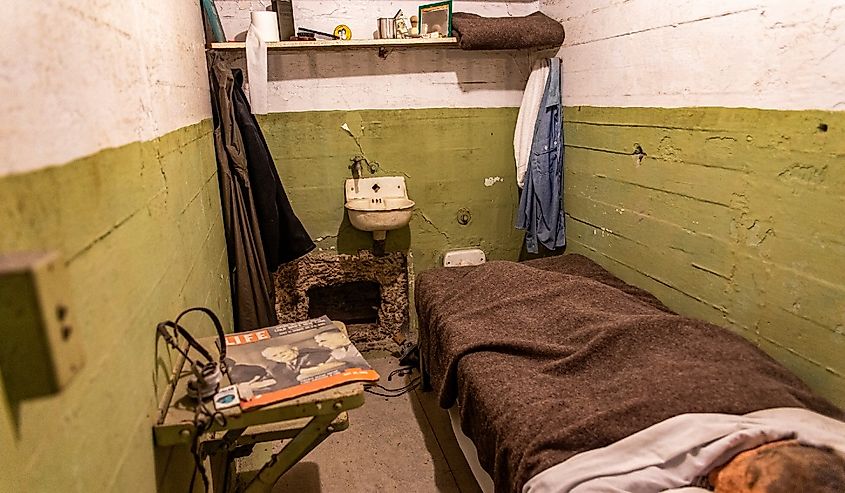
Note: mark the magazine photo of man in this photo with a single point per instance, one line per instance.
(341, 348)
(285, 362)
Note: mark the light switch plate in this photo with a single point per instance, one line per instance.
(40, 350)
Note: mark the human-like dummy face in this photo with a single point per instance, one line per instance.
(331, 340)
(281, 354)
(783, 466)
(735, 475)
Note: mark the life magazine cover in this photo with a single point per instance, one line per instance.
(294, 359)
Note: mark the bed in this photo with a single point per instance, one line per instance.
(546, 359)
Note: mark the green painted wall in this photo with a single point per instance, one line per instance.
(141, 232)
(733, 215)
(445, 155)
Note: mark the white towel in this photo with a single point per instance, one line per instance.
(256, 70)
(526, 120)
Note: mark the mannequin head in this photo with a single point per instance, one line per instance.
(782, 467)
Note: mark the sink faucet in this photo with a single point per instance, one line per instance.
(358, 163)
(357, 166)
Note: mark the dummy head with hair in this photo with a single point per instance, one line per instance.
(786, 466)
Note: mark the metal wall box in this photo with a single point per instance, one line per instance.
(40, 350)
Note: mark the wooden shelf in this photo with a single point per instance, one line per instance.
(333, 44)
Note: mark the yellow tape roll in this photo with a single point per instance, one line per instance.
(343, 32)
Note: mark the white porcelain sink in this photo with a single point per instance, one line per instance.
(378, 204)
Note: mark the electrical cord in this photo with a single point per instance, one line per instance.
(402, 371)
(394, 392)
(203, 417)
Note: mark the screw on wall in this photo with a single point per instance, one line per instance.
(464, 216)
(639, 154)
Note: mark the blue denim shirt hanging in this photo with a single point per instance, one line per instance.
(541, 203)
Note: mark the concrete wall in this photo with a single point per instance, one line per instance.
(360, 79)
(442, 118)
(733, 214)
(84, 75)
(108, 158)
(452, 159)
(359, 15)
(772, 54)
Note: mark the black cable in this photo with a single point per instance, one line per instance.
(401, 371)
(218, 327)
(203, 418)
(201, 424)
(198, 465)
(171, 339)
(394, 392)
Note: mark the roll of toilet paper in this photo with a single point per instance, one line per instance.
(266, 25)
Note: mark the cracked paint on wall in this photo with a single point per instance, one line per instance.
(492, 180)
(730, 214)
(445, 155)
(359, 15)
(122, 75)
(361, 79)
(746, 234)
(774, 54)
(117, 217)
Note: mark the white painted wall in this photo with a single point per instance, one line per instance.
(360, 79)
(359, 15)
(405, 79)
(776, 54)
(83, 75)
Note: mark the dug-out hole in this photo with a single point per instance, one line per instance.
(353, 303)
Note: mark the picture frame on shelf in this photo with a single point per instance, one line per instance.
(436, 17)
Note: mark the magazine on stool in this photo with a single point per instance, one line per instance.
(293, 359)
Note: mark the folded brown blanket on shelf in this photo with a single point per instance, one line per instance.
(553, 357)
(505, 33)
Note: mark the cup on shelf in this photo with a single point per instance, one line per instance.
(386, 28)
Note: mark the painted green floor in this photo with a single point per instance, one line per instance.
(401, 444)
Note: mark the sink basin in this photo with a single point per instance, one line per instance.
(378, 204)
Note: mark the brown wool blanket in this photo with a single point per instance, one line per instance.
(536, 30)
(553, 357)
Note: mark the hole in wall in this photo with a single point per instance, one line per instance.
(822, 127)
(639, 154)
(464, 216)
(296, 283)
(352, 303)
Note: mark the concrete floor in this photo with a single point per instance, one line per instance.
(392, 444)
